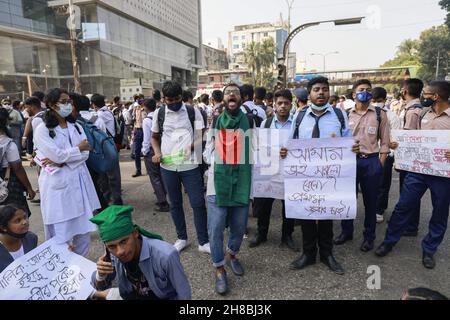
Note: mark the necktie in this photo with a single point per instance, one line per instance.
(316, 130)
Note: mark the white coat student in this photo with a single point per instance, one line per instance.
(68, 196)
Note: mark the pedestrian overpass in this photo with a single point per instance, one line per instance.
(346, 78)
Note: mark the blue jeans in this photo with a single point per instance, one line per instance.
(218, 217)
(369, 173)
(414, 188)
(192, 182)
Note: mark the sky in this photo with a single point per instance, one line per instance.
(367, 45)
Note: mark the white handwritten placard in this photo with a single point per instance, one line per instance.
(49, 272)
(268, 180)
(320, 179)
(423, 151)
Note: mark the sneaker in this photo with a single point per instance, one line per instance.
(380, 218)
(180, 245)
(205, 248)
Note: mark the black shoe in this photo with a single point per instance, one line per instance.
(334, 266)
(302, 262)
(289, 242)
(221, 283)
(236, 267)
(137, 174)
(410, 234)
(367, 246)
(428, 261)
(342, 239)
(163, 208)
(257, 241)
(383, 250)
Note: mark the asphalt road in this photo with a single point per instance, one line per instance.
(267, 268)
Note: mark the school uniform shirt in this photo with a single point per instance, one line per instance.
(366, 128)
(412, 115)
(433, 121)
(252, 106)
(329, 125)
(147, 126)
(108, 118)
(276, 124)
(9, 152)
(160, 264)
(178, 135)
(93, 118)
(29, 243)
(68, 196)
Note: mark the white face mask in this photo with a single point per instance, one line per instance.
(378, 104)
(6, 106)
(65, 109)
(319, 108)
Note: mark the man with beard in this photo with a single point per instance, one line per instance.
(435, 116)
(229, 182)
(320, 120)
(147, 268)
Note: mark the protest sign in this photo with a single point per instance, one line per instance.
(320, 179)
(268, 180)
(423, 151)
(49, 272)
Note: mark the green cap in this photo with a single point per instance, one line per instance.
(115, 223)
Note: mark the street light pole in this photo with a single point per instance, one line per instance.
(290, 4)
(324, 58)
(438, 64)
(73, 48)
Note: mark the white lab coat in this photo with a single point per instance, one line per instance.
(68, 197)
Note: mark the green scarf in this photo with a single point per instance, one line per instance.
(233, 182)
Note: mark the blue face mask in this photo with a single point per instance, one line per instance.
(175, 106)
(364, 97)
(65, 110)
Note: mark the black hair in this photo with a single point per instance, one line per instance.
(80, 102)
(172, 89)
(318, 80)
(157, 95)
(136, 97)
(349, 94)
(442, 89)
(6, 214)
(285, 94)
(269, 96)
(204, 98)
(334, 98)
(33, 101)
(150, 104)
(217, 95)
(247, 92)
(414, 87)
(116, 99)
(51, 99)
(15, 104)
(260, 93)
(232, 84)
(379, 93)
(424, 294)
(361, 82)
(186, 96)
(40, 95)
(4, 117)
(98, 100)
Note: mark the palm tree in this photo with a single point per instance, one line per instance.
(260, 59)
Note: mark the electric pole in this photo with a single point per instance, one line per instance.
(437, 64)
(290, 4)
(73, 48)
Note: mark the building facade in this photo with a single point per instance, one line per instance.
(214, 59)
(147, 39)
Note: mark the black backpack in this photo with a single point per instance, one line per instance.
(258, 120)
(162, 118)
(302, 115)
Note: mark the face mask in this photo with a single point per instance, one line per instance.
(65, 110)
(16, 235)
(427, 102)
(379, 105)
(6, 106)
(175, 106)
(319, 108)
(364, 96)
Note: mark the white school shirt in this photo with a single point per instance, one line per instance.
(147, 129)
(108, 118)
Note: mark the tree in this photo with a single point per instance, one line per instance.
(260, 57)
(434, 43)
(407, 54)
(445, 4)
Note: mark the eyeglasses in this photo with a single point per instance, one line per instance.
(65, 101)
(235, 92)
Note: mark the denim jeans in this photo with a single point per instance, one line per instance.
(218, 217)
(192, 182)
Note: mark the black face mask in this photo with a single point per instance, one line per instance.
(426, 102)
(175, 106)
(16, 235)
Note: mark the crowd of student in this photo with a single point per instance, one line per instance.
(178, 137)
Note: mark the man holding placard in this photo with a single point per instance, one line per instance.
(435, 116)
(370, 126)
(320, 120)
